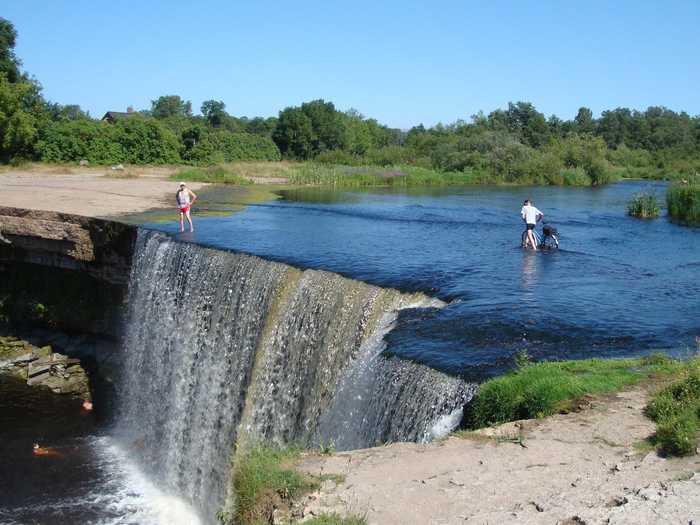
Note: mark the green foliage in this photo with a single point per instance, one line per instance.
(683, 202)
(336, 519)
(222, 146)
(522, 358)
(214, 111)
(676, 410)
(643, 205)
(213, 174)
(9, 63)
(136, 140)
(170, 106)
(261, 476)
(368, 176)
(20, 115)
(538, 390)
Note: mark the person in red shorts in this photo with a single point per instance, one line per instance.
(185, 198)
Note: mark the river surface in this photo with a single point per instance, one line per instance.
(619, 286)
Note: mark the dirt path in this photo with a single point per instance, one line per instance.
(90, 193)
(578, 468)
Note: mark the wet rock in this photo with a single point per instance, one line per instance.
(43, 367)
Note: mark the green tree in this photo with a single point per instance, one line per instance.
(214, 111)
(294, 134)
(170, 106)
(19, 119)
(584, 120)
(9, 63)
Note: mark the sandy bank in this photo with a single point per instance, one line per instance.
(89, 193)
(585, 467)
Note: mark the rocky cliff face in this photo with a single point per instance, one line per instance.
(63, 271)
(97, 247)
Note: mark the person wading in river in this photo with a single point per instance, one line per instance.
(185, 198)
(531, 216)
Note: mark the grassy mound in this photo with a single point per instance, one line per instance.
(676, 411)
(684, 203)
(542, 389)
(264, 478)
(644, 206)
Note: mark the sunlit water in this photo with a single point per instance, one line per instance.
(618, 286)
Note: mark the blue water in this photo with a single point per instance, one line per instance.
(618, 286)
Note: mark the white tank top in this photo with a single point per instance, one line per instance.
(183, 197)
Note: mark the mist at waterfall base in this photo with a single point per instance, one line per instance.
(619, 286)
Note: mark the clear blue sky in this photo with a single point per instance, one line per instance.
(401, 62)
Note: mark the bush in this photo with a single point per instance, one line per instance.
(684, 203)
(223, 146)
(389, 156)
(575, 177)
(213, 174)
(135, 140)
(337, 157)
(643, 205)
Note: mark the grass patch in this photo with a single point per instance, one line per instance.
(213, 174)
(373, 176)
(264, 477)
(683, 203)
(676, 412)
(643, 205)
(336, 519)
(541, 389)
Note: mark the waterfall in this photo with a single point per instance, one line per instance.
(223, 347)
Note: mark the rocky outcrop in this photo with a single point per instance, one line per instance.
(43, 367)
(101, 248)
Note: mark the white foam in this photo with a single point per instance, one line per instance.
(134, 498)
(446, 424)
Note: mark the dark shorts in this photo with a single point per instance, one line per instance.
(530, 226)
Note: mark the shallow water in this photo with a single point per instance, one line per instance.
(618, 285)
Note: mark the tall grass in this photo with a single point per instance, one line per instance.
(213, 174)
(264, 476)
(643, 206)
(676, 411)
(684, 203)
(336, 519)
(538, 390)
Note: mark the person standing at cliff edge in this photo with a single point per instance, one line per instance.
(185, 198)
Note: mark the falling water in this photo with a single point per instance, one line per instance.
(224, 347)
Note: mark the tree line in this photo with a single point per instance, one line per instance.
(516, 144)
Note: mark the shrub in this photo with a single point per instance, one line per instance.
(135, 140)
(223, 146)
(337, 157)
(389, 156)
(684, 203)
(643, 205)
(678, 435)
(213, 174)
(575, 177)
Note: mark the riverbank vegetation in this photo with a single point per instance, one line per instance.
(683, 202)
(514, 145)
(643, 205)
(535, 390)
(265, 479)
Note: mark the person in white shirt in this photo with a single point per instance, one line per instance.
(185, 198)
(531, 216)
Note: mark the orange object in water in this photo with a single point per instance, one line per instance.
(43, 451)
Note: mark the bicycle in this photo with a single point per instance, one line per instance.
(549, 240)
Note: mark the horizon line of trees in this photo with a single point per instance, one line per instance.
(513, 144)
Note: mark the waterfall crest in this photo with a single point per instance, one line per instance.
(223, 348)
